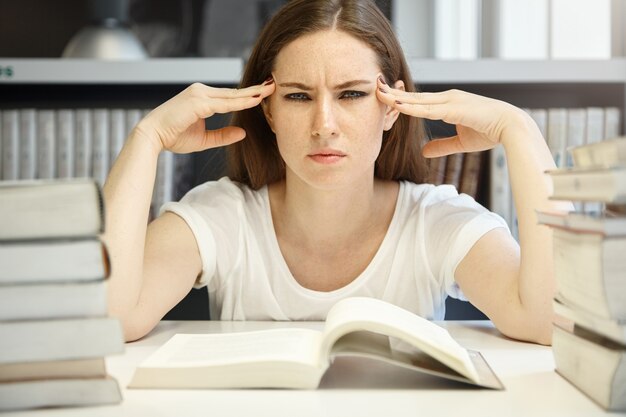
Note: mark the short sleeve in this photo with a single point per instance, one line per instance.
(211, 212)
(453, 223)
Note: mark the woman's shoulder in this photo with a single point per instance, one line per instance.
(428, 195)
(220, 192)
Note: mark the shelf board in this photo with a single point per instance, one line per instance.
(229, 70)
(496, 71)
(150, 71)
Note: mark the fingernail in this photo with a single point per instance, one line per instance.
(382, 80)
(269, 81)
(256, 96)
(382, 90)
(399, 102)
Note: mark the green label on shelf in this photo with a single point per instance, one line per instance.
(6, 72)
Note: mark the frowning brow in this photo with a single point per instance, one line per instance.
(341, 86)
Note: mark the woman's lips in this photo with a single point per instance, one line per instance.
(327, 156)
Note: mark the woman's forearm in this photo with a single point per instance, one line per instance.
(528, 157)
(127, 196)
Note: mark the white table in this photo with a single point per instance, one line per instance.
(349, 389)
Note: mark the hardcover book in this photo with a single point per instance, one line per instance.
(298, 358)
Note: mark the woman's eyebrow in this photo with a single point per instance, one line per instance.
(341, 86)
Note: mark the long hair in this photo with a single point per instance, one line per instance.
(256, 160)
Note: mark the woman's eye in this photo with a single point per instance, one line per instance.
(297, 97)
(351, 95)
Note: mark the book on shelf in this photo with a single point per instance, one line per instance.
(437, 170)
(298, 358)
(576, 119)
(101, 150)
(46, 144)
(580, 29)
(521, 29)
(456, 29)
(84, 143)
(471, 173)
(557, 135)
(592, 363)
(61, 392)
(28, 144)
(66, 143)
(500, 193)
(41, 208)
(454, 169)
(10, 145)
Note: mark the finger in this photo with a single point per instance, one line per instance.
(426, 111)
(208, 107)
(413, 96)
(222, 137)
(206, 91)
(442, 147)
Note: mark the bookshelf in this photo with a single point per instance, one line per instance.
(91, 71)
(58, 83)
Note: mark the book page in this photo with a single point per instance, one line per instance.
(360, 313)
(290, 345)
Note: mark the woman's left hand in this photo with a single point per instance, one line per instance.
(481, 123)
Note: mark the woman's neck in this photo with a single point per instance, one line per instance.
(330, 218)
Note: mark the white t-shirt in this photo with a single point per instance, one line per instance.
(431, 231)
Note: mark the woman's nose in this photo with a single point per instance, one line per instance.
(324, 120)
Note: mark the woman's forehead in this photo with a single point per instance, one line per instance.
(332, 52)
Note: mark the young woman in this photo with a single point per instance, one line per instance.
(326, 198)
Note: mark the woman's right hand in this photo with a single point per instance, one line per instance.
(178, 124)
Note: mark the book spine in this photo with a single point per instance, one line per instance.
(412, 21)
(100, 161)
(470, 176)
(540, 116)
(133, 116)
(454, 164)
(500, 188)
(84, 143)
(66, 148)
(523, 29)
(557, 135)
(117, 134)
(164, 182)
(28, 146)
(46, 144)
(437, 168)
(576, 122)
(11, 145)
(456, 29)
(1, 142)
(594, 134)
(580, 29)
(612, 121)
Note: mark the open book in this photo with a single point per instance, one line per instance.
(298, 358)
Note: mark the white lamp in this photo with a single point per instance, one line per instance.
(108, 37)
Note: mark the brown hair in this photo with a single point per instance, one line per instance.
(256, 160)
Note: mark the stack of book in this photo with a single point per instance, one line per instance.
(589, 339)
(54, 329)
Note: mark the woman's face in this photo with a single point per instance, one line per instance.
(324, 112)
